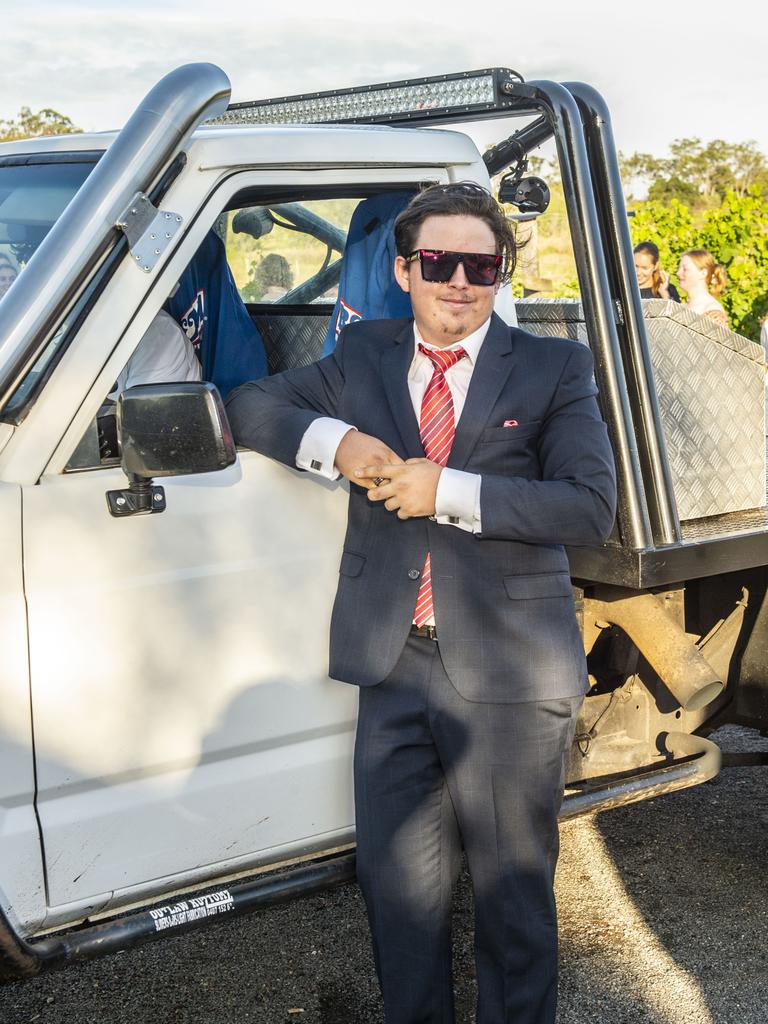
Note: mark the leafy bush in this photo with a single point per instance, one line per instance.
(735, 232)
(669, 225)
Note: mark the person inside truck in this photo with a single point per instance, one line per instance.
(454, 612)
(8, 275)
(703, 279)
(653, 281)
(208, 308)
(163, 356)
(273, 277)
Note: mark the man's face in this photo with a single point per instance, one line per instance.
(448, 312)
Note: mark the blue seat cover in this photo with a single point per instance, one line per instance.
(211, 313)
(368, 289)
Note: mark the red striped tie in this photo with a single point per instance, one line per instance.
(437, 426)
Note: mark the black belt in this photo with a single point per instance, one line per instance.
(430, 632)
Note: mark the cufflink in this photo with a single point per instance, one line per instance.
(453, 520)
(318, 466)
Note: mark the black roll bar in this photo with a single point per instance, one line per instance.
(617, 243)
(599, 312)
(517, 146)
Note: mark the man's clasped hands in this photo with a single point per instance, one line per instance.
(408, 488)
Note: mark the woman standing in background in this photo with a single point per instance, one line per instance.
(654, 282)
(703, 279)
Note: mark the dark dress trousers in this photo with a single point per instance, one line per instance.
(464, 740)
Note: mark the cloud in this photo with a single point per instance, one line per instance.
(98, 69)
(101, 57)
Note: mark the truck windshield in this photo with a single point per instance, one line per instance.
(33, 194)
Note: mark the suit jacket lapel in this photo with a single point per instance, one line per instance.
(395, 364)
(494, 365)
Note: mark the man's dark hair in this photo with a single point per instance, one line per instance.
(461, 198)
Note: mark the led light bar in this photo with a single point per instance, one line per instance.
(454, 97)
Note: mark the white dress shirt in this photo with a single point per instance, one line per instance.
(163, 356)
(457, 501)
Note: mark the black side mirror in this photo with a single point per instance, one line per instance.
(168, 430)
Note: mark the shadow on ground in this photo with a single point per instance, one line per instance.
(664, 920)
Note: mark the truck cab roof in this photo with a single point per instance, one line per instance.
(292, 145)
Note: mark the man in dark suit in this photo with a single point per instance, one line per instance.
(474, 452)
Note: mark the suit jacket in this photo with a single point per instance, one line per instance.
(503, 600)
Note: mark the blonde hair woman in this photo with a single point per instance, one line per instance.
(703, 280)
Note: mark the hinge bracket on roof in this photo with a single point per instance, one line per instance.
(149, 231)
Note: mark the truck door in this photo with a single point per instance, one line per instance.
(182, 712)
(184, 722)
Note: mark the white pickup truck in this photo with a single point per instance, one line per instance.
(168, 731)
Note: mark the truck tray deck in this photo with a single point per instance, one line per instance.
(717, 544)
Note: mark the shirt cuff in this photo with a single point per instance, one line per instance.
(317, 451)
(457, 501)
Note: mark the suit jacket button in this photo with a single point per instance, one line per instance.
(413, 574)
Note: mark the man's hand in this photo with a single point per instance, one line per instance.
(408, 489)
(358, 449)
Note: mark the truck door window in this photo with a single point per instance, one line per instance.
(285, 260)
(288, 253)
(164, 355)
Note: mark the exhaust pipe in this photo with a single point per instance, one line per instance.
(674, 658)
(156, 131)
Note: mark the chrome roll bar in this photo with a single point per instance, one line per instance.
(158, 129)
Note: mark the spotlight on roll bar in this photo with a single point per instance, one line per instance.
(467, 94)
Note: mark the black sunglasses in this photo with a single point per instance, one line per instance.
(439, 265)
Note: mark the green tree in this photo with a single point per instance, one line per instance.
(736, 233)
(697, 173)
(639, 171)
(29, 125)
(669, 225)
(674, 189)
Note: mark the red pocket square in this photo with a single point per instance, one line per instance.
(509, 423)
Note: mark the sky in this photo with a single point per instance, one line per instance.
(667, 71)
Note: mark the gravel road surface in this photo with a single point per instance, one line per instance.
(663, 917)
